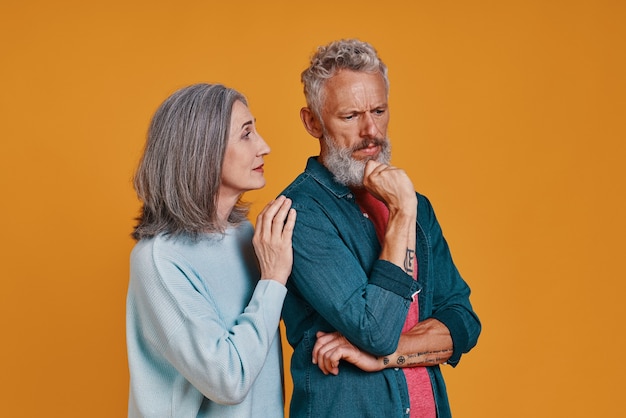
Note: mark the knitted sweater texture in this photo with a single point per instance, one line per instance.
(202, 330)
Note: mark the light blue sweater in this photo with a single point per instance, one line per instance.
(202, 331)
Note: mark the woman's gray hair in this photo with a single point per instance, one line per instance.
(349, 54)
(179, 174)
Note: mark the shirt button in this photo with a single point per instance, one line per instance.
(366, 215)
(408, 410)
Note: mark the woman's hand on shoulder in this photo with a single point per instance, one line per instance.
(272, 239)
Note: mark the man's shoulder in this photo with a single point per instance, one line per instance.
(425, 211)
(305, 183)
(306, 193)
(297, 184)
(422, 199)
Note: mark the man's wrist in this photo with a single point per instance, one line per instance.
(405, 214)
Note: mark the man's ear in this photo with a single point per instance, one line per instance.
(311, 122)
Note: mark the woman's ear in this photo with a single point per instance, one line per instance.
(311, 123)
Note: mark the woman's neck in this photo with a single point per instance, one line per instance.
(225, 205)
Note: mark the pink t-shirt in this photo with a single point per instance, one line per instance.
(418, 381)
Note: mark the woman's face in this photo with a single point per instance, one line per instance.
(242, 169)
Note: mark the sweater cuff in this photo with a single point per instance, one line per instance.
(392, 278)
(271, 289)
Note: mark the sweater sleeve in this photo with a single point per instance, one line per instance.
(182, 322)
(224, 363)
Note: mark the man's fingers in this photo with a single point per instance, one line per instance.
(325, 341)
(372, 166)
(328, 351)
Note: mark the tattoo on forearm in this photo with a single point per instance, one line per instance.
(423, 358)
(408, 261)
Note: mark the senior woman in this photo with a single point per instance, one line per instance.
(206, 289)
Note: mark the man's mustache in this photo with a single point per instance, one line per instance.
(369, 142)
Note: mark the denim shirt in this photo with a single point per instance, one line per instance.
(339, 284)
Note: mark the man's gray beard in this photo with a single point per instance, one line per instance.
(345, 168)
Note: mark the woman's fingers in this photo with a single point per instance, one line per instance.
(266, 216)
(290, 224)
(272, 239)
(275, 216)
(281, 216)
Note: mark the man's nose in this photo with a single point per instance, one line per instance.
(369, 128)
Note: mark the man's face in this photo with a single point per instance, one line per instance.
(354, 116)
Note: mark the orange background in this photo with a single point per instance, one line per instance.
(509, 115)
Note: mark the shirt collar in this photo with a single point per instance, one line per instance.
(324, 177)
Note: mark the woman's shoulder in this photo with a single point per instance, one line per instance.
(165, 246)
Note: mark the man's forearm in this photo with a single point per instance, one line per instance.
(399, 245)
(392, 186)
(428, 343)
(424, 358)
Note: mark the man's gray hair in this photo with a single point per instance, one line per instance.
(179, 174)
(349, 54)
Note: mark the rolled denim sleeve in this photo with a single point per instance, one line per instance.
(368, 305)
(451, 294)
